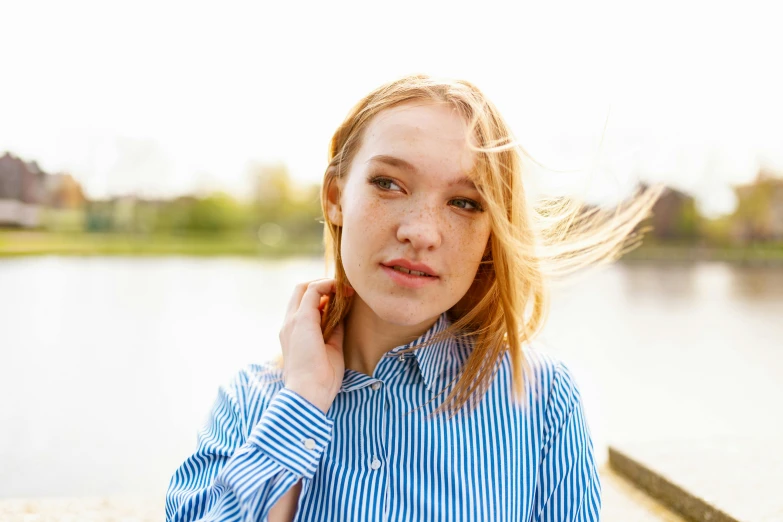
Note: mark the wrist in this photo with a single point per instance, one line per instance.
(313, 395)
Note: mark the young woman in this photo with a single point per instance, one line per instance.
(409, 388)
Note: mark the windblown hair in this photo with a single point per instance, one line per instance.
(530, 245)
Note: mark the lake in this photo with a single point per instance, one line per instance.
(111, 364)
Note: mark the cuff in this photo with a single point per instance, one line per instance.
(293, 432)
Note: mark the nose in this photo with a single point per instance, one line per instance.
(421, 227)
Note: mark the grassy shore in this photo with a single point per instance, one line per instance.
(23, 243)
(31, 243)
(756, 255)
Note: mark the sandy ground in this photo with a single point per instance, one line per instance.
(83, 509)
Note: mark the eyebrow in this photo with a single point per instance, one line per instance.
(400, 163)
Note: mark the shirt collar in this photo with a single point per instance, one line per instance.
(432, 359)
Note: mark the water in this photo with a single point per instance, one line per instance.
(111, 364)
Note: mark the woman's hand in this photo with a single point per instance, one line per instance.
(312, 367)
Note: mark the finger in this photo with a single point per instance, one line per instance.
(312, 296)
(296, 297)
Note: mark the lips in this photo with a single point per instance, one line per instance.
(409, 267)
(407, 274)
(411, 272)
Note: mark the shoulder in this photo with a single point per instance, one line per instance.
(547, 377)
(549, 382)
(251, 389)
(555, 397)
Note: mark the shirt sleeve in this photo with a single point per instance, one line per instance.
(569, 489)
(230, 478)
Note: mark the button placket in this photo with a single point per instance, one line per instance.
(377, 398)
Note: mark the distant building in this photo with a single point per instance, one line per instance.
(674, 217)
(22, 192)
(127, 214)
(30, 198)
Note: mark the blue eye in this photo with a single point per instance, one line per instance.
(466, 204)
(384, 183)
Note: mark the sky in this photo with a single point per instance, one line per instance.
(162, 98)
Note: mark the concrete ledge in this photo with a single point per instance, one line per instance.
(666, 491)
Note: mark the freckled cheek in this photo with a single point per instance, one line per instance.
(466, 242)
(368, 220)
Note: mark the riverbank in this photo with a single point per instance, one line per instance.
(33, 243)
(753, 255)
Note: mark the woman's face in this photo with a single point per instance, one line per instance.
(413, 226)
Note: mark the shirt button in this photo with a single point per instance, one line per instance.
(309, 443)
(402, 358)
(375, 464)
(376, 386)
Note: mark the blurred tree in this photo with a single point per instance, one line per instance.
(173, 215)
(64, 192)
(271, 183)
(218, 213)
(215, 214)
(759, 214)
(65, 203)
(278, 201)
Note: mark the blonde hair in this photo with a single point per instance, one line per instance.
(529, 245)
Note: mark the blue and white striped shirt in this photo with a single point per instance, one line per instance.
(376, 456)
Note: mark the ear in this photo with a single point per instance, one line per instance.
(334, 211)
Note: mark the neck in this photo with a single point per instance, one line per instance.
(368, 337)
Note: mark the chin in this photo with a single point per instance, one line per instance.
(401, 311)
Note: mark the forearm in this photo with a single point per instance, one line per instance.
(283, 450)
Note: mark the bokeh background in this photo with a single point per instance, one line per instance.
(159, 171)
